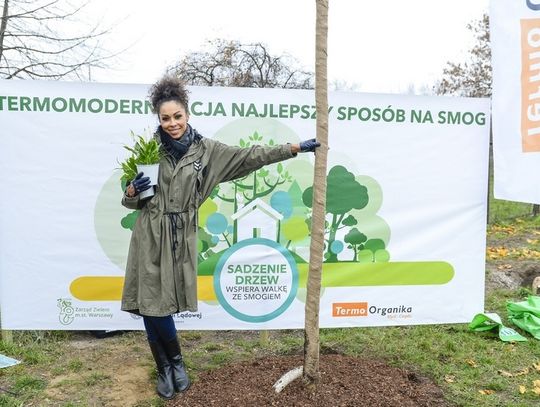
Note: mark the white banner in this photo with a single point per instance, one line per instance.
(515, 45)
(407, 189)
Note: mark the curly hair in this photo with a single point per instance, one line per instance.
(168, 88)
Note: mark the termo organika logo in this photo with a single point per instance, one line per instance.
(363, 309)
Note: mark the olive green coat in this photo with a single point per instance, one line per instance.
(161, 275)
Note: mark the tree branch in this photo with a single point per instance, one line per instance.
(31, 47)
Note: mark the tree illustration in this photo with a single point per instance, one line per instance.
(350, 221)
(343, 194)
(256, 185)
(128, 221)
(337, 247)
(217, 224)
(295, 229)
(374, 250)
(356, 240)
(262, 182)
(282, 203)
(295, 192)
(204, 244)
(207, 208)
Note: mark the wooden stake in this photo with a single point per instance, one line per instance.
(264, 337)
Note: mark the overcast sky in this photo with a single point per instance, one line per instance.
(380, 45)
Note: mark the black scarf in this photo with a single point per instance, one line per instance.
(177, 148)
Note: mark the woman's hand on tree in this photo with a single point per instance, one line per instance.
(309, 145)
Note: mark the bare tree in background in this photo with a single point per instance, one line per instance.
(46, 39)
(473, 77)
(231, 63)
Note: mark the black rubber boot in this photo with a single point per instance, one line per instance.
(181, 379)
(165, 386)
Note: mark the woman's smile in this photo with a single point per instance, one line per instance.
(173, 119)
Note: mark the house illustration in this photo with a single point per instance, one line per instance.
(257, 219)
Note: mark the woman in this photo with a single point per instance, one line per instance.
(161, 272)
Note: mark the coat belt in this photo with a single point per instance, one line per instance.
(176, 223)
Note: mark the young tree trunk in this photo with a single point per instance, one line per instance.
(311, 341)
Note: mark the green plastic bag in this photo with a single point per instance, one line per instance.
(491, 322)
(526, 314)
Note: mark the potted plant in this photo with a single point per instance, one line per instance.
(145, 157)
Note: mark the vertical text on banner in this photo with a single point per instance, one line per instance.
(530, 85)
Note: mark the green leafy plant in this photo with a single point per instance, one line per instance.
(144, 151)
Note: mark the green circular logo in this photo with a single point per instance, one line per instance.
(256, 280)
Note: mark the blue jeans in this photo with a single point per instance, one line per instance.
(159, 328)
